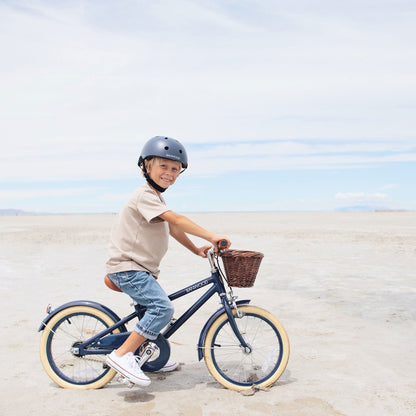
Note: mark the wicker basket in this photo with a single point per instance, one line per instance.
(241, 267)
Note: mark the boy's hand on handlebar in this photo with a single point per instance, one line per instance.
(202, 251)
(221, 243)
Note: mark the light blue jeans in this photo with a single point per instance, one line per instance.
(143, 288)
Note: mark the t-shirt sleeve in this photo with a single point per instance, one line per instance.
(150, 205)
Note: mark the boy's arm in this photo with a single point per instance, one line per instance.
(179, 224)
(182, 238)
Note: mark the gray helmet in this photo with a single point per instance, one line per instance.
(166, 148)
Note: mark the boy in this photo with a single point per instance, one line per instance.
(138, 243)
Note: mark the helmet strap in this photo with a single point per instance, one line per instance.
(151, 182)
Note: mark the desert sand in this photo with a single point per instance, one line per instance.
(342, 284)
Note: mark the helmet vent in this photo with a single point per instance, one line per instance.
(166, 147)
(180, 151)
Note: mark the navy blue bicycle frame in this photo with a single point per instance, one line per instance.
(217, 287)
(104, 342)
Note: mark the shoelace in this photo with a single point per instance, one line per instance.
(134, 361)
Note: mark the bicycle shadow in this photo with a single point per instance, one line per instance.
(186, 377)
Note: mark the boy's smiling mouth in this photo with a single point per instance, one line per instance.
(166, 181)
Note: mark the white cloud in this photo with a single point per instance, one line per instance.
(298, 155)
(389, 186)
(204, 71)
(298, 148)
(331, 162)
(85, 83)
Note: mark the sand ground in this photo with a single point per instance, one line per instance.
(342, 284)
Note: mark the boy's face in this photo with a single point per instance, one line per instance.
(164, 171)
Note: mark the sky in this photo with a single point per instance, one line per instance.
(282, 105)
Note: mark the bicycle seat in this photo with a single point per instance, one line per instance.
(110, 284)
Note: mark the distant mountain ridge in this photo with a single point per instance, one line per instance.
(366, 208)
(12, 211)
(357, 208)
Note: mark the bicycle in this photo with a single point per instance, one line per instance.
(242, 345)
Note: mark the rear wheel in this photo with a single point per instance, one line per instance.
(63, 332)
(236, 369)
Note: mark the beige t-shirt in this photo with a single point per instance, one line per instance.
(139, 238)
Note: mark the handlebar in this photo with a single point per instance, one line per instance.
(210, 256)
(223, 243)
(211, 251)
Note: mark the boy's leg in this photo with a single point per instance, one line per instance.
(145, 290)
(131, 344)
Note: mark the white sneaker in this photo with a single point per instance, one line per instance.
(169, 366)
(128, 366)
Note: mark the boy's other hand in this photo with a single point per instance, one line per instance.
(202, 251)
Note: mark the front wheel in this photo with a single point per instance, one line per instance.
(237, 369)
(64, 331)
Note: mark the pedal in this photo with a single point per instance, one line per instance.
(123, 380)
(147, 352)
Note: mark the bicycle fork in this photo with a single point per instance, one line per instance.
(232, 319)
